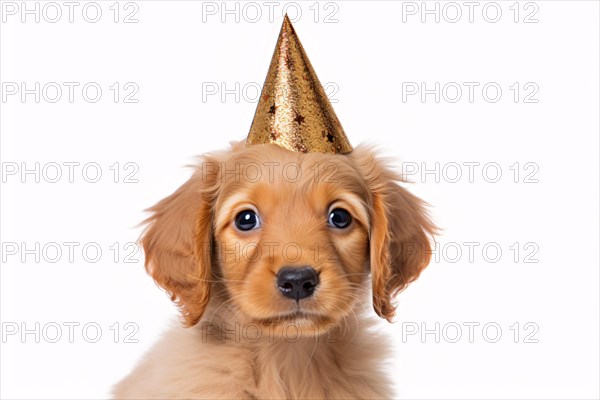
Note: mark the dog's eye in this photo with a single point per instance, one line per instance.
(339, 218)
(247, 220)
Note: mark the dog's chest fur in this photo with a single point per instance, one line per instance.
(319, 368)
(193, 363)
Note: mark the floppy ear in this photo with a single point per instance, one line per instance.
(399, 234)
(177, 245)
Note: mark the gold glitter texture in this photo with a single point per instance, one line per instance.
(293, 111)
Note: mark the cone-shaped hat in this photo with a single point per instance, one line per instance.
(293, 110)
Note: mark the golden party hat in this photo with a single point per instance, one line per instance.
(293, 110)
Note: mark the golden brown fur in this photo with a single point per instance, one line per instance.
(244, 339)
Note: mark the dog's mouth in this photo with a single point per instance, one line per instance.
(296, 316)
(299, 323)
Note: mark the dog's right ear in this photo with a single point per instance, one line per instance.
(400, 232)
(177, 242)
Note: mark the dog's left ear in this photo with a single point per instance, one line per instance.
(400, 232)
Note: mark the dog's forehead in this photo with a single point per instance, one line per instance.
(268, 169)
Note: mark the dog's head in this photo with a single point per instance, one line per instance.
(291, 236)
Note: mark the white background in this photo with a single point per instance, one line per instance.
(369, 54)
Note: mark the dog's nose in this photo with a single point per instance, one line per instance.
(297, 283)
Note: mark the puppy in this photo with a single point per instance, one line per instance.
(272, 265)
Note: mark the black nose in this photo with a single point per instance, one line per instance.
(297, 283)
